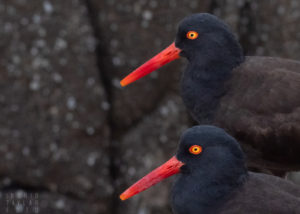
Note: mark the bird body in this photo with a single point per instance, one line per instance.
(213, 179)
(258, 194)
(261, 108)
(262, 193)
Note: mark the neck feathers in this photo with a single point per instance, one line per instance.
(208, 187)
(203, 82)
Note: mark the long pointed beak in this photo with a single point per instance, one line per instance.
(166, 170)
(167, 55)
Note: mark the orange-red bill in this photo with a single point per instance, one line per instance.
(167, 55)
(166, 170)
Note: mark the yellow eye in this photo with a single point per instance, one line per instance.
(195, 149)
(192, 35)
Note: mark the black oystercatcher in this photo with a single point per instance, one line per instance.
(256, 99)
(213, 179)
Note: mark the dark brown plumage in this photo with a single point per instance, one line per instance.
(262, 109)
(263, 193)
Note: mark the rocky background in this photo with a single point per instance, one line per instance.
(71, 138)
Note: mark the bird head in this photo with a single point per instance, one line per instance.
(206, 149)
(199, 37)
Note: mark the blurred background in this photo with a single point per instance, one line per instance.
(71, 138)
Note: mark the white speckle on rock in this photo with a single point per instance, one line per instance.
(36, 19)
(8, 27)
(136, 8)
(75, 125)
(6, 181)
(105, 106)
(37, 173)
(154, 75)
(14, 108)
(11, 10)
(114, 27)
(116, 83)
(60, 44)
(264, 37)
(26, 151)
(163, 138)
(147, 15)
(63, 61)
(193, 4)
(9, 156)
(133, 62)
(20, 194)
(111, 2)
(90, 81)
(53, 147)
(60, 154)
(19, 208)
(148, 162)
(143, 2)
(90, 130)
(54, 110)
(260, 51)
(91, 159)
(60, 204)
(71, 103)
(142, 210)
(164, 111)
(16, 59)
(34, 51)
(34, 85)
(90, 43)
(57, 77)
(84, 182)
(48, 7)
(294, 4)
(15, 133)
(69, 116)
(254, 6)
(56, 128)
(39, 62)
(40, 43)
(153, 4)
(117, 61)
(42, 32)
(114, 43)
(281, 10)
(131, 171)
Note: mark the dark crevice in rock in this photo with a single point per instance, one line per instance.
(104, 66)
(246, 28)
(213, 5)
(135, 123)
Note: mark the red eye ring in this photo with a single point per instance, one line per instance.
(192, 35)
(195, 149)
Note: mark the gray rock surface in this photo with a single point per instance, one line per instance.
(265, 28)
(68, 131)
(276, 31)
(53, 129)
